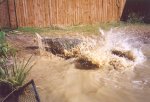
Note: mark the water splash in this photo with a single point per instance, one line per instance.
(110, 49)
(100, 51)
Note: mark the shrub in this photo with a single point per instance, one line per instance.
(135, 18)
(3, 45)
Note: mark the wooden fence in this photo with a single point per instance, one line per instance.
(44, 13)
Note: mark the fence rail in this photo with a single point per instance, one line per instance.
(43, 13)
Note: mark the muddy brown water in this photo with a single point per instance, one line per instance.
(58, 80)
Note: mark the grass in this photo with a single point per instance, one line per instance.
(68, 29)
(29, 29)
(84, 29)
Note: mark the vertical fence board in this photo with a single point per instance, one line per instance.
(4, 15)
(12, 14)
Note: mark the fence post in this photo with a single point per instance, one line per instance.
(12, 14)
(4, 15)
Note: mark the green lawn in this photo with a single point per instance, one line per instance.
(82, 29)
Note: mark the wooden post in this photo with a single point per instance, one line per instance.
(12, 14)
(4, 15)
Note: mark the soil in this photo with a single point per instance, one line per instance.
(24, 44)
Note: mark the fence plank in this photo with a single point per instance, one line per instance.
(12, 14)
(4, 15)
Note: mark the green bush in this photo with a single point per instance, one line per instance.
(3, 45)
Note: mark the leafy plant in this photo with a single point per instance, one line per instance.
(13, 73)
(17, 74)
(3, 45)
